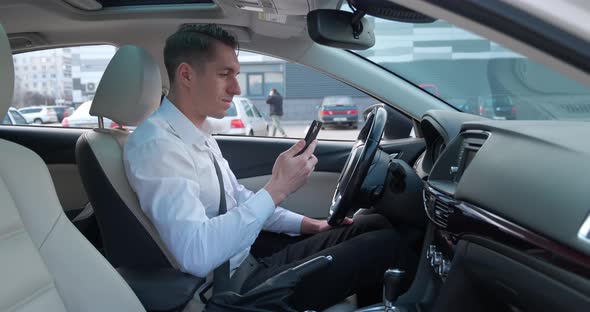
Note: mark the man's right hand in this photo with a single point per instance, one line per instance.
(289, 172)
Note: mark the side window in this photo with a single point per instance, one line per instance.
(302, 95)
(54, 87)
(256, 112)
(6, 120)
(18, 118)
(248, 108)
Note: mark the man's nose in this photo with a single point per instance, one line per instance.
(234, 87)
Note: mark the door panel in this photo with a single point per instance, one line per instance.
(252, 160)
(312, 200)
(54, 145)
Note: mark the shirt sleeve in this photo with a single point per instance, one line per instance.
(169, 193)
(281, 221)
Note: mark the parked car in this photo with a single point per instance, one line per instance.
(243, 118)
(339, 111)
(63, 111)
(14, 118)
(499, 107)
(39, 114)
(81, 118)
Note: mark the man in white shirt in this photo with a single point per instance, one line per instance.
(169, 160)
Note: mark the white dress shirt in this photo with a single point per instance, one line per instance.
(168, 163)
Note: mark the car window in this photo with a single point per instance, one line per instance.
(256, 112)
(62, 77)
(336, 100)
(30, 110)
(18, 118)
(232, 111)
(6, 120)
(248, 108)
(304, 92)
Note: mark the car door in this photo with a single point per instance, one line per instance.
(250, 120)
(252, 159)
(258, 123)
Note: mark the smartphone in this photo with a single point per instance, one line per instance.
(312, 133)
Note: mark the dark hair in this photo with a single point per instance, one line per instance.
(193, 44)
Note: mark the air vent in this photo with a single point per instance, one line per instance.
(441, 213)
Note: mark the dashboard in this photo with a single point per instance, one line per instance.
(524, 184)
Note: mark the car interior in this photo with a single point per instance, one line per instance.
(493, 213)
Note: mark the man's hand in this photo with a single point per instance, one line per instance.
(289, 172)
(312, 226)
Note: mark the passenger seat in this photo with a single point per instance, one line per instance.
(45, 263)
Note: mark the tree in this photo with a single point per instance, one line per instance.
(32, 98)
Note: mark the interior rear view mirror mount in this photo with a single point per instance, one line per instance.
(340, 29)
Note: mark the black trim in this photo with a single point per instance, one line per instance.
(523, 27)
(54, 145)
(126, 242)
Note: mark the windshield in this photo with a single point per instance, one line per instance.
(475, 75)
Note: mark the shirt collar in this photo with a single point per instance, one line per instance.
(183, 127)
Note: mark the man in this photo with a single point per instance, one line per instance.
(169, 160)
(275, 100)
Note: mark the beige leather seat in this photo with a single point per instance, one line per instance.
(129, 91)
(45, 263)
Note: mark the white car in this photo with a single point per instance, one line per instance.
(81, 118)
(242, 118)
(39, 114)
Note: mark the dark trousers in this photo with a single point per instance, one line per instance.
(361, 253)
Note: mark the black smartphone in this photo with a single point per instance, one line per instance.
(312, 133)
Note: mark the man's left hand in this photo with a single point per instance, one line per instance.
(312, 226)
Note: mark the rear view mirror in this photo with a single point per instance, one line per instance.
(335, 28)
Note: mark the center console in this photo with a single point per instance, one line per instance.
(439, 203)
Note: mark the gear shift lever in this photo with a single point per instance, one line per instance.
(392, 281)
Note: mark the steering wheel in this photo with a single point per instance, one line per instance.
(357, 165)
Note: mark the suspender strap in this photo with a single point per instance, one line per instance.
(221, 273)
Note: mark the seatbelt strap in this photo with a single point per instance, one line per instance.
(221, 273)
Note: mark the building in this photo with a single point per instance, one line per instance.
(67, 76)
(43, 78)
(88, 65)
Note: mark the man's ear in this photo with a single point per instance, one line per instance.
(184, 74)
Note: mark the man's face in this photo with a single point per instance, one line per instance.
(216, 83)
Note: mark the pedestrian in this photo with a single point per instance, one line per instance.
(275, 100)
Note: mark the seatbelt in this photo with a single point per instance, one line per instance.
(221, 273)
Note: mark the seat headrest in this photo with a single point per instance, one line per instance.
(130, 88)
(6, 74)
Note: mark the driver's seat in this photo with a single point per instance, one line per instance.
(129, 91)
